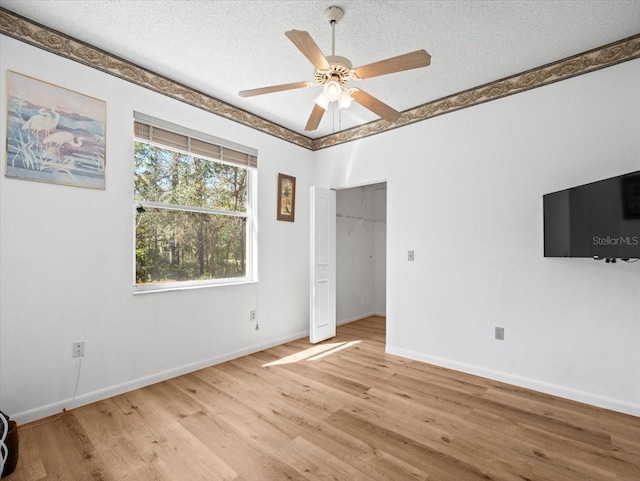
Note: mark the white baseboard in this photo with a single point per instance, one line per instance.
(90, 397)
(357, 318)
(553, 389)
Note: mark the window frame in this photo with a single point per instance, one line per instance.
(250, 215)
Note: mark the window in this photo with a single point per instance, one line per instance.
(193, 208)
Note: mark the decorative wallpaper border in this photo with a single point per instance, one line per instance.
(598, 58)
(30, 32)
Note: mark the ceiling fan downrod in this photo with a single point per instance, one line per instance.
(333, 15)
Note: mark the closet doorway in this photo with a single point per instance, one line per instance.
(361, 252)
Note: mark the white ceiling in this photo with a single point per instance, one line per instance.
(222, 47)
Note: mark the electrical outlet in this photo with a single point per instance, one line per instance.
(253, 315)
(78, 349)
(410, 256)
(499, 333)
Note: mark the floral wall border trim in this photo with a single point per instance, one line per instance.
(40, 36)
(60, 44)
(596, 59)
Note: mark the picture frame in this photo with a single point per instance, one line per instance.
(54, 134)
(286, 197)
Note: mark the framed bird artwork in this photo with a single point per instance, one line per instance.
(54, 134)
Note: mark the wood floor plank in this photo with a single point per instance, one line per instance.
(565, 410)
(433, 462)
(443, 434)
(331, 379)
(582, 433)
(125, 464)
(246, 456)
(318, 464)
(342, 410)
(68, 452)
(181, 455)
(237, 412)
(30, 460)
(373, 462)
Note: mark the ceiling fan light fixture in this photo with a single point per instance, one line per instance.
(332, 90)
(322, 100)
(344, 102)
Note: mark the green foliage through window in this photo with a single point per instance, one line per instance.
(191, 217)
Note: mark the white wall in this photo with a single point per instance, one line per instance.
(465, 192)
(66, 257)
(360, 252)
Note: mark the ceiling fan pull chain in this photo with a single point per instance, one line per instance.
(333, 117)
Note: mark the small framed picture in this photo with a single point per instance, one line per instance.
(286, 197)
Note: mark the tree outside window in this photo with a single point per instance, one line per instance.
(191, 217)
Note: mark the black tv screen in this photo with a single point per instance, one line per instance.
(600, 219)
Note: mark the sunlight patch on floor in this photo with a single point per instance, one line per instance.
(313, 353)
(334, 350)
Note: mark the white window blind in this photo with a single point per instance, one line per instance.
(166, 134)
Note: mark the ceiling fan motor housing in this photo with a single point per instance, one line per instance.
(340, 70)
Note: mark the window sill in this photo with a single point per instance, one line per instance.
(169, 287)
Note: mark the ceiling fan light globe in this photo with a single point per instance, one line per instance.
(344, 102)
(322, 101)
(332, 90)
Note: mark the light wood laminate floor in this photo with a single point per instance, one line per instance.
(350, 413)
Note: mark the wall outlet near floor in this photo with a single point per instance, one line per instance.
(499, 333)
(78, 349)
(253, 316)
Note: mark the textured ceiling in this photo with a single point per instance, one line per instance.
(221, 47)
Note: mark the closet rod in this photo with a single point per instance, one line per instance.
(359, 218)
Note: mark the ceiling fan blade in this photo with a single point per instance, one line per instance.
(309, 48)
(274, 88)
(376, 106)
(408, 61)
(314, 118)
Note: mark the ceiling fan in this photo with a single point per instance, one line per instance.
(333, 72)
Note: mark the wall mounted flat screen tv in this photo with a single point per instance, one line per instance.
(600, 219)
